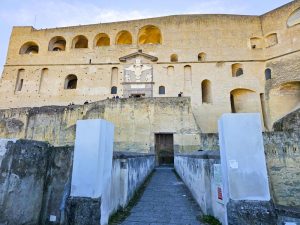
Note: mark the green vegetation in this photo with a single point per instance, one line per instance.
(210, 220)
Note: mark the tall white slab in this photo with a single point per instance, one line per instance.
(92, 163)
(242, 157)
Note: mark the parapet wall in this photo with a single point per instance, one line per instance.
(197, 172)
(128, 174)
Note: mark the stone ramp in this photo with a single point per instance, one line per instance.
(165, 201)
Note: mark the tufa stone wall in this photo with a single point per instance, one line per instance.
(291, 122)
(283, 160)
(34, 182)
(136, 122)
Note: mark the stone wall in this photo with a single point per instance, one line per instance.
(283, 90)
(197, 172)
(209, 141)
(136, 122)
(283, 160)
(34, 182)
(290, 122)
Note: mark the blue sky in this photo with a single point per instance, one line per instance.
(56, 13)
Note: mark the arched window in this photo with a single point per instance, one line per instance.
(283, 99)
(271, 40)
(268, 74)
(201, 57)
(187, 72)
(170, 70)
(162, 90)
(206, 91)
(244, 101)
(256, 43)
(20, 80)
(149, 35)
(101, 40)
(71, 82)
(57, 44)
(29, 48)
(124, 38)
(174, 58)
(80, 41)
(114, 90)
(294, 18)
(237, 70)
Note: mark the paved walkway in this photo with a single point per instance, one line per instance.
(165, 201)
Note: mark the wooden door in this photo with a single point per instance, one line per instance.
(164, 146)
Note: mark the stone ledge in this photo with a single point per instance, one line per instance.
(251, 212)
(288, 211)
(202, 154)
(127, 155)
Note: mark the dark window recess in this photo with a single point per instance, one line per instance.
(268, 74)
(239, 72)
(114, 90)
(71, 82)
(162, 90)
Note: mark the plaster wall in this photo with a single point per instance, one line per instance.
(129, 171)
(197, 172)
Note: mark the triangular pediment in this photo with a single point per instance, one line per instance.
(138, 54)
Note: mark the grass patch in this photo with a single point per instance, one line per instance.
(210, 220)
(123, 213)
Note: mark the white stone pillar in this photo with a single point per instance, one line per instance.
(92, 163)
(243, 160)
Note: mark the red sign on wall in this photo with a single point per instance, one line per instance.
(220, 195)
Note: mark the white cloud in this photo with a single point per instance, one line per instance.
(60, 13)
(53, 14)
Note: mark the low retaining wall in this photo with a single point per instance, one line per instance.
(35, 183)
(129, 172)
(197, 172)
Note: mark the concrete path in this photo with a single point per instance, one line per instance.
(165, 201)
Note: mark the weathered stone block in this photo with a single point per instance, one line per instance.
(84, 211)
(251, 212)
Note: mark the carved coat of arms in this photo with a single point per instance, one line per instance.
(138, 72)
